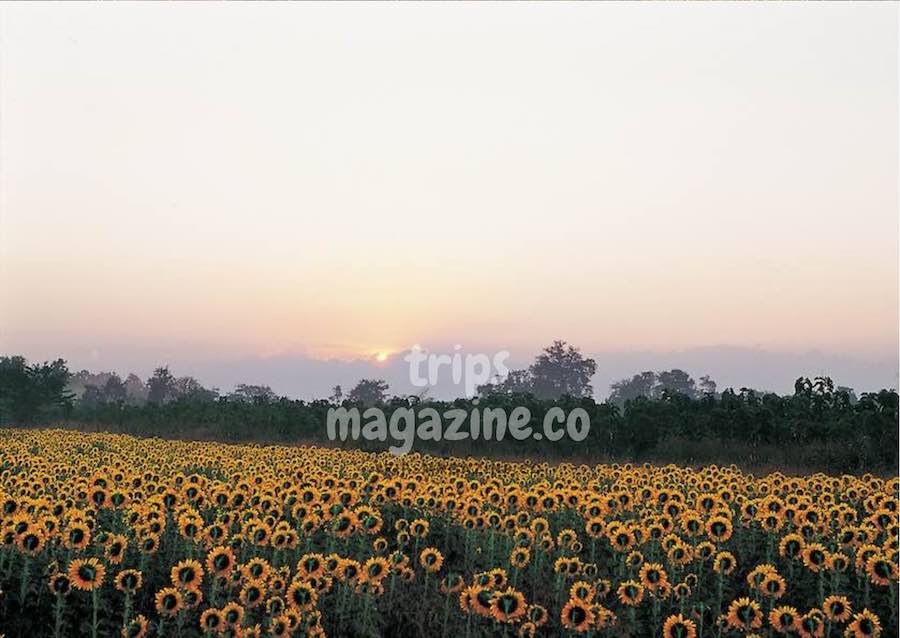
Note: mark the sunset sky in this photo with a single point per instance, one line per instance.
(211, 184)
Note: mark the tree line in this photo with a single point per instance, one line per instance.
(654, 416)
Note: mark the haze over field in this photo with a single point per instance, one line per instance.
(307, 186)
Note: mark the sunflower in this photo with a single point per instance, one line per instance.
(682, 591)
(705, 550)
(369, 588)
(880, 570)
(773, 585)
(311, 566)
(135, 628)
(169, 601)
(344, 524)
(129, 581)
(233, 614)
(431, 559)
(526, 630)
(60, 584)
(561, 565)
(31, 542)
(653, 577)
(86, 574)
(252, 593)
(211, 621)
(519, 557)
(466, 599)
(566, 537)
(274, 606)
(583, 591)
(837, 609)
(280, 626)
(677, 626)
(744, 614)
(784, 619)
(480, 599)
(790, 546)
(375, 569)
(815, 557)
(508, 606)
(622, 540)
(116, 545)
(603, 617)
(865, 625)
(594, 528)
(256, 569)
(863, 553)
(187, 574)
(691, 524)
(724, 563)
(398, 561)
(78, 536)
(680, 554)
(577, 616)
(149, 544)
(332, 564)
(812, 624)
(419, 528)
(348, 570)
(538, 615)
(301, 595)
(630, 593)
(380, 545)
(452, 583)
(719, 529)
(220, 561)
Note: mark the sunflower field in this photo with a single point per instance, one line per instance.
(111, 535)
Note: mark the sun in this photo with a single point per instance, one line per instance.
(381, 357)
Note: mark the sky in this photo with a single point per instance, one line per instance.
(284, 191)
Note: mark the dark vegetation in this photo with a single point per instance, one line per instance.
(659, 417)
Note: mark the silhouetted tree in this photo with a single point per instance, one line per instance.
(28, 392)
(161, 386)
(640, 385)
(114, 390)
(516, 382)
(673, 381)
(135, 390)
(707, 385)
(369, 392)
(562, 370)
(189, 389)
(256, 394)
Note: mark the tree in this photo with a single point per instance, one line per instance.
(95, 394)
(114, 390)
(707, 385)
(848, 393)
(369, 392)
(188, 388)
(135, 390)
(640, 385)
(91, 397)
(516, 382)
(161, 386)
(337, 394)
(675, 381)
(561, 370)
(255, 394)
(28, 392)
